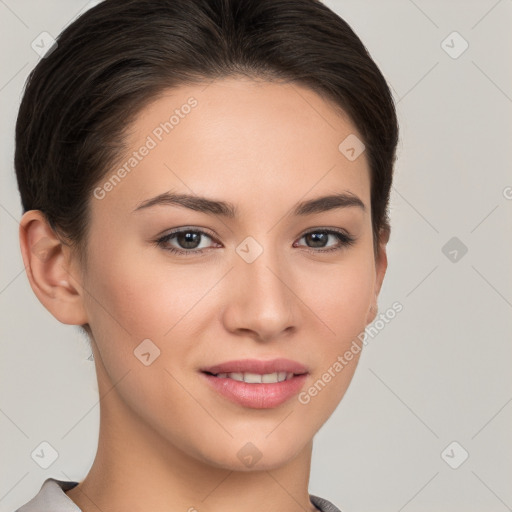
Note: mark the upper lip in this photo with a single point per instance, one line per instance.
(257, 366)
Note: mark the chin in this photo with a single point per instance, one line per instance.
(259, 454)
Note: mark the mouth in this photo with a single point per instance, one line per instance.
(256, 383)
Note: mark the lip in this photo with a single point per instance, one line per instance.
(257, 366)
(258, 395)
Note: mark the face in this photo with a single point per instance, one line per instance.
(177, 287)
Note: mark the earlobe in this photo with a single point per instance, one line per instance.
(49, 269)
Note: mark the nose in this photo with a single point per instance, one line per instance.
(262, 301)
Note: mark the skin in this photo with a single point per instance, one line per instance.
(167, 441)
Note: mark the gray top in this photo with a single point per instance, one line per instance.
(52, 498)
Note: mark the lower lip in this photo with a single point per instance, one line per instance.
(257, 396)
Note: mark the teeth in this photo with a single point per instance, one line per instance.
(256, 378)
(252, 378)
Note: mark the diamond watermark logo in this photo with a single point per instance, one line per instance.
(454, 45)
(44, 44)
(249, 455)
(44, 455)
(249, 249)
(146, 352)
(351, 147)
(454, 249)
(454, 455)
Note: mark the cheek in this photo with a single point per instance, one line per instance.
(340, 299)
(146, 298)
(342, 305)
(341, 296)
(134, 301)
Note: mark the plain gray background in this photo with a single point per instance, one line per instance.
(438, 373)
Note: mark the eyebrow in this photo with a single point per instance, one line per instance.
(229, 210)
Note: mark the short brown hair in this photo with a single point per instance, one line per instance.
(118, 56)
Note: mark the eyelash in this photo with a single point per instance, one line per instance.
(344, 239)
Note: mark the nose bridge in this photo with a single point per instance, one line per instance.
(260, 266)
(263, 299)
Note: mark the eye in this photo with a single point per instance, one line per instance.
(320, 237)
(190, 241)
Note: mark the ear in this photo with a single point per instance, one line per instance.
(51, 271)
(381, 265)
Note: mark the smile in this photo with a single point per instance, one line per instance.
(257, 384)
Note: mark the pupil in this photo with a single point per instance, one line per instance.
(186, 239)
(318, 237)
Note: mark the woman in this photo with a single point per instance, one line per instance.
(205, 187)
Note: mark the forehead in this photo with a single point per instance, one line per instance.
(241, 140)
